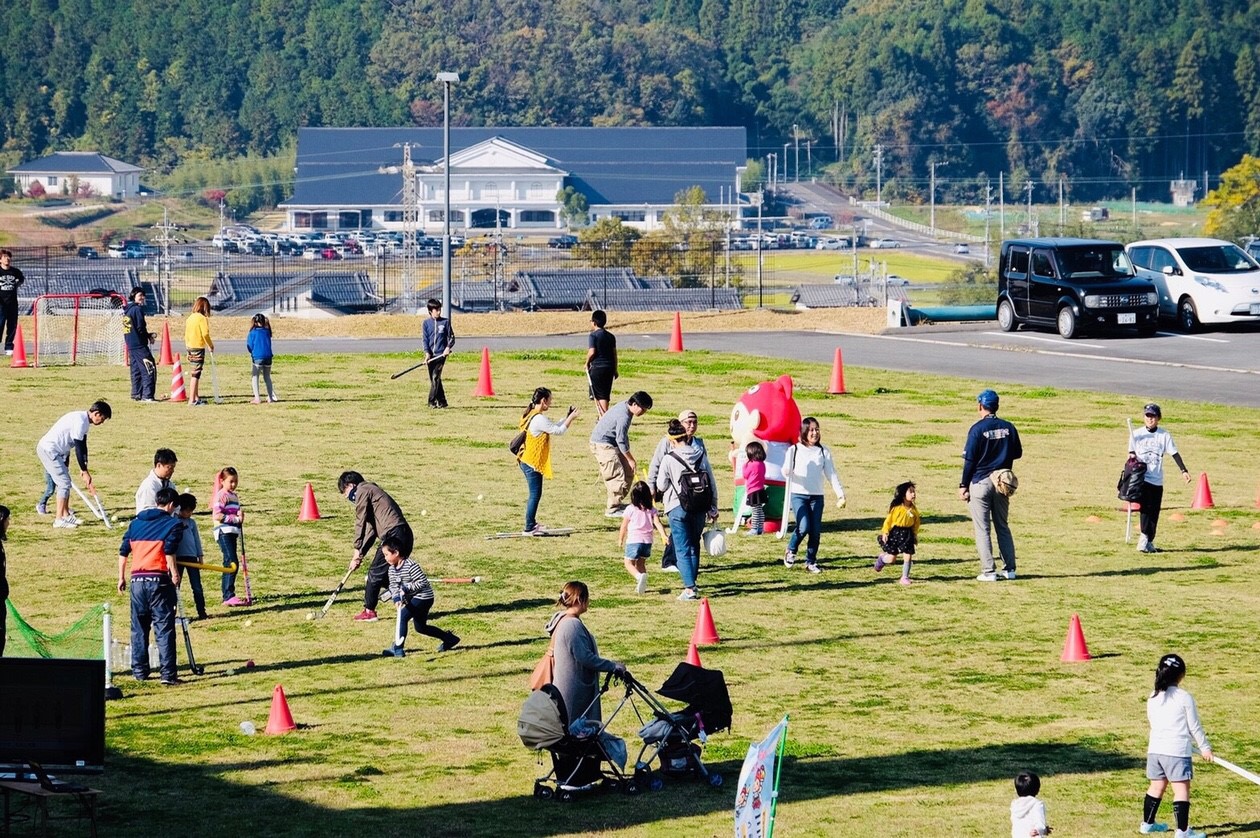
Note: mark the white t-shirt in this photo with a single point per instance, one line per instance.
(1151, 447)
(1028, 814)
(59, 440)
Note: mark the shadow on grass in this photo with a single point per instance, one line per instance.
(1231, 828)
(131, 793)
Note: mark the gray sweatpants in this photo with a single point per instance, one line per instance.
(988, 504)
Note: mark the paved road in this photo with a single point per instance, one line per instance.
(1221, 367)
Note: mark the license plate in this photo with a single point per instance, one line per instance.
(1126, 319)
(1255, 309)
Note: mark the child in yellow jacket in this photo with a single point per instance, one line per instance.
(900, 532)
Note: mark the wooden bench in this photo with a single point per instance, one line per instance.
(40, 796)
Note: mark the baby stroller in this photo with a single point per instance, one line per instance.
(579, 763)
(671, 737)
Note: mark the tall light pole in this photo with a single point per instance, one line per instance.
(785, 159)
(879, 175)
(932, 199)
(796, 136)
(447, 79)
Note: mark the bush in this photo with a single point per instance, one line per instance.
(973, 284)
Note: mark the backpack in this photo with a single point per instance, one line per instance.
(695, 490)
(1129, 487)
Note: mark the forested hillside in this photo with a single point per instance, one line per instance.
(1108, 94)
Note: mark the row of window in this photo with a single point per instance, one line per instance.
(360, 219)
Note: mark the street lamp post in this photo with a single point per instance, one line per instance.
(932, 200)
(785, 159)
(447, 79)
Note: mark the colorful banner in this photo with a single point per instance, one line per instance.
(758, 792)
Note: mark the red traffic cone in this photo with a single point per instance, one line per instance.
(705, 633)
(1203, 494)
(19, 349)
(837, 375)
(1258, 497)
(177, 383)
(280, 720)
(693, 656)
(1074, 648)
(310, 509)
(675, 337)
(484, 385)
(166, 359)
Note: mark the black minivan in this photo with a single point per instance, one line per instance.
(1073, 285)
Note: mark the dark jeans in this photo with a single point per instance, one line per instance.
(194, 584)
(1152, 501)
(9, 318)
(143, 373)
(152, 605)
(437, 393)
(534, 482)
(378, 571)
(227, 545)
(416, 610)
(808, 510)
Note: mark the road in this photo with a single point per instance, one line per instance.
(1221, 367)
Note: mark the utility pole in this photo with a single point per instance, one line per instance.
(761, 199)
(879, 174)
(1032, 228)
(1062, 220)
(932, 199)
(222, 243)
(988, 202)
(796, 135)
(1002, 204)
(785, 159)
(809, 157)
(410, 217)
(164, 267)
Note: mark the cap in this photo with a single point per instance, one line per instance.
(1152, 409)
(988, 399)
(687, 414)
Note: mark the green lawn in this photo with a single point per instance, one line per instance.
(912, 708)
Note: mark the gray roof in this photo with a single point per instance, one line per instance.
(340, 166)
(75, 163)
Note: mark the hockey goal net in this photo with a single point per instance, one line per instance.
(79, 329)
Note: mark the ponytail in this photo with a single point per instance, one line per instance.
(1169, 673)
(539, 394)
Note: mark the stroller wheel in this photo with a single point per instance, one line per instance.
(543, 792)
(656, 784)
(565, 796)
(715, 779)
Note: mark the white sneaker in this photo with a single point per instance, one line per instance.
(1141, 545)
(987, 577)
(1191, 833)
(1147, 828)
(65, 524)
(673, 568)
(789, 558)
(688, 594)
(641, 586)
(1009, 575)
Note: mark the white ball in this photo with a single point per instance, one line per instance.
(423, 512)
(248, 623)
(310, 616)
(481, 497)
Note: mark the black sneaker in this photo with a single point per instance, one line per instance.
(394, 652)
(447, 645)
(171, 682)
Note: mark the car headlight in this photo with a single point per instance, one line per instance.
(1152, 298)
(1093, 300)
(1209, 283)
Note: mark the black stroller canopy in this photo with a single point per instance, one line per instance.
(704, 692)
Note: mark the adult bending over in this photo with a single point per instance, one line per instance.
(992, 445)
(577, 660)
(809, 464)
(685, 525)
(535, 456)
(610, 443)
(376, 516)
(70, 434)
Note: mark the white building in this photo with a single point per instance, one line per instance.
(79, 174)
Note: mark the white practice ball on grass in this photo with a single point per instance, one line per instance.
(248, 623)
(423, 512)
(310, 616)
(481, 497)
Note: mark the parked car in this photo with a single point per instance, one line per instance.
(562, 242)
(832, 243)
(310, 254)
(1074, 285)
(895, 280)
(88, 253)
(885, 243)
(962, 248)
(820, 222)
(1200, 280)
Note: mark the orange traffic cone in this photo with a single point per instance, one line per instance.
(705, 633)
(837, 375)
(280, 720)
(166, 359)
(310, 509)
(1203, 494)
(19, 349)
(484, 385)
(675, 337)
(693, 656)
(177, 382)
(1074, 648)
(1258, 497)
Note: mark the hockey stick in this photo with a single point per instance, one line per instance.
(399, 622)
(218, 568)
(787, 498)
(1229, 766)
(415, 367)
(98, 509)
(739, 514)
(214, 379)
(333, 596)
(183, 621)
(249, 595)
(1128, 520)
(459, 580)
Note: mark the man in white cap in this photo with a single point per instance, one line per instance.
(992, 445)
(1150, 445)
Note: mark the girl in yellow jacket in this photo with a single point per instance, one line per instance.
(197, 341)
(900, 532)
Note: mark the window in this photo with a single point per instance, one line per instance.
(630, 215)
(319, 220)
(1041, 265)
(1019, 261)
(393, 216)
(537, 216)
(52, 180)
(301, 220)
(437, 215)
(348, 220)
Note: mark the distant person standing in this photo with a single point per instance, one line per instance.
(137, 336)
(601, 361)
(992, 445)
(610, 443)
(10, 279)
(1151, 445)
(197, 340)
(439, 341)
(258, 342)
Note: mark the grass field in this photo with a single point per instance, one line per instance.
(911, 708)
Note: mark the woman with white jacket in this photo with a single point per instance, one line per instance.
(809, 465)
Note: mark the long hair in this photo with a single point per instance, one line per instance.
(260, 321)
(536, 399)
(1169, 673)
(899, 494)
(807, 423)
(641, 495)
(574, 593)
(202, 306)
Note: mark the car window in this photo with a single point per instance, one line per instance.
(1094, 262)
(1141, 257)
(1216, 259)
(1160, 259)
(1019, 261)
(1041, 265)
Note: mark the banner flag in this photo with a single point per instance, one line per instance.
(758, 791)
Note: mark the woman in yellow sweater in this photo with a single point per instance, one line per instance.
(535, 456)
(900, 532)
(196, 342)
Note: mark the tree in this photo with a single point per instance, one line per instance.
(972, 284)
(1235, 204)
(574, 208)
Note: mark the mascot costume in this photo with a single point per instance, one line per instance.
(767, 413)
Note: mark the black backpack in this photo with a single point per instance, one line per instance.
(1131, 479)
(695, 490)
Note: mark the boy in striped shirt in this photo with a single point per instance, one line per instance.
(412, 593)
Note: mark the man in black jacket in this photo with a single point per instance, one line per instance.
(138, 337)
(10, 279)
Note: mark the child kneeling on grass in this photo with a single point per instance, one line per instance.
(637, 523)
(412, 593)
